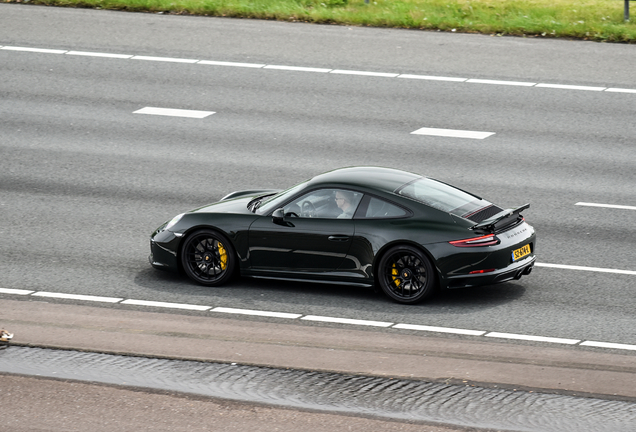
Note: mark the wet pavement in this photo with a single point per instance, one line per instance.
(412, 400)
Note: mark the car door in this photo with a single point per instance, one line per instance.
(314, 235)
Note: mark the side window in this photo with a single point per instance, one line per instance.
(380, 209)
(325, 204)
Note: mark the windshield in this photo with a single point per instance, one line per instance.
(442, 196)
(271, 203)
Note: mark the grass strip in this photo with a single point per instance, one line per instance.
(597, 20)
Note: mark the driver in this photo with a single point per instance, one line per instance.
(344, 201)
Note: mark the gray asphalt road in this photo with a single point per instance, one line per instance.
(83, 180)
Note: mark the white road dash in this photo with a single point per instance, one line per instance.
(174, 112)
(77, 297)
(36, 50)
(166, 305)
(620, 90)
(496, 82)
(432, 78)
(232, 64)
(164, 59)
(364, 73)
(609, 345)
(439, 329)
(15, 291)
(256, 313)
(532, 338)
(452, 133)
(98, 54)
(582, 268)
(346, 321)
(297, 68)
(570, 87)
(614, 206)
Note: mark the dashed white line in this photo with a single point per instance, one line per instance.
(346, 321)
(174, 112)
(582, 268)
(609, 345)
(166, 305)
(439, 329)
(496, 82)
(615, 206)
(256, 313)
(96, 54)
(77, 297)
(312, 69)
(532, 338)
(570, 87)
(297, 68)
(452, 133)
(15, 291)
(164, 59)
(364, 73)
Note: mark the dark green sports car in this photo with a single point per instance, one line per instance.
(402, 232)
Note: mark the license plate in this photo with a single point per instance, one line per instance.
(517, 254)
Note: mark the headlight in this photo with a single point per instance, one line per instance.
(174, 221)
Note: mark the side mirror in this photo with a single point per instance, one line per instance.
(278, 217)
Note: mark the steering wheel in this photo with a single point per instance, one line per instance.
(308, 209)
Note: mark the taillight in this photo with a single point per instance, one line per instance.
(487, 240)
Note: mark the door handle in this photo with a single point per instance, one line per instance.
(339, 238)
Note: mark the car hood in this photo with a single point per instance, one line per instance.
(237, 205)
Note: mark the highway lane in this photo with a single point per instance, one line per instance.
(84, 180)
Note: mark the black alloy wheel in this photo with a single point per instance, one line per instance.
(406, 275)
(207, 257)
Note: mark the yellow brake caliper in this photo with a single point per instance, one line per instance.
(222, 255)
(394, 274)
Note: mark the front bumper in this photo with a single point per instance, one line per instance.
(163, 250)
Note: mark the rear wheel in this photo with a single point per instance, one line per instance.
(406, 275)
(207, 257)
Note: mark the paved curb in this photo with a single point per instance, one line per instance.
(207, 337)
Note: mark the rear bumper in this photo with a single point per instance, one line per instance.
(512, 272)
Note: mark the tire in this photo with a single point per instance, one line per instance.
(208, 258)
(406, 275)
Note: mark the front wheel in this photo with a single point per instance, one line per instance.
(207, 258)
(406, 275)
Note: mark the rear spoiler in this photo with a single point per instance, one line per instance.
(501, 218)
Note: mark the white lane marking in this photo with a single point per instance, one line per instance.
(346, 321)
(164, 59)
(174, 112)
(234, 64)
(15, 291)
(36, 50)
(432, 78)
(623, 207)
(582, 268)
(297, 68)
(77, 297)
(496, 82)
(620, 90)
(364, 73)
(166, 305)
(570, 87)
(609, 345)
(256, 313)
(337, 71)
(97, 54)
(532, 338)
(452, 133)
(439, 329)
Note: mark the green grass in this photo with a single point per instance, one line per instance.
(598, 20)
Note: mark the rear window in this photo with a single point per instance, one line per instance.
(442, 196)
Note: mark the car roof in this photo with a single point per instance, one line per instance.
(378, 178)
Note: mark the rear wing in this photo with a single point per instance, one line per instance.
(502, 218)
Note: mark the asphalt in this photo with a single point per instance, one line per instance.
(309, 346)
